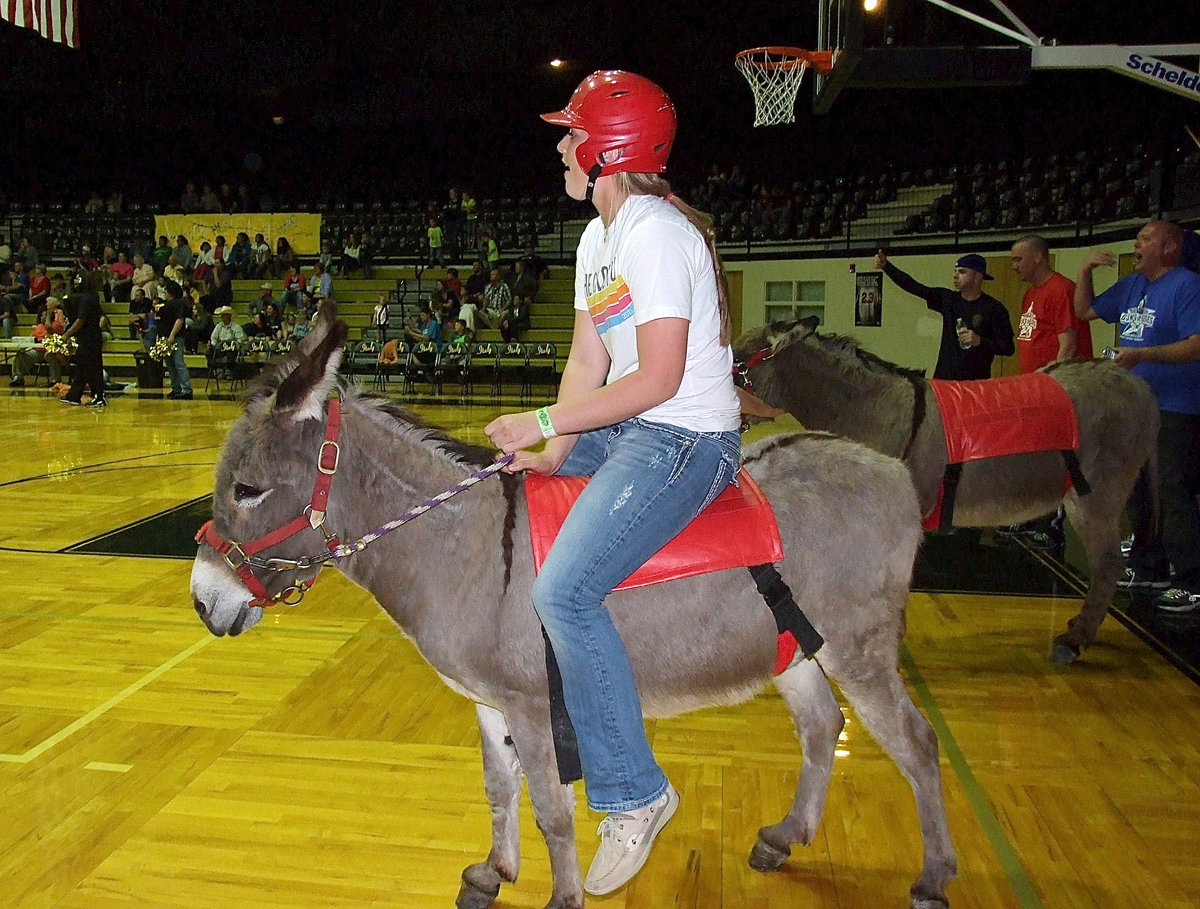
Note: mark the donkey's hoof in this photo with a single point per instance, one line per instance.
(765, 857)
(1065, 653)
(480, 887)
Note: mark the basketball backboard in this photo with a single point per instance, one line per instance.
(840, 32)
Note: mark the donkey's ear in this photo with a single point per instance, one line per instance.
(810, 323)
(303, 391)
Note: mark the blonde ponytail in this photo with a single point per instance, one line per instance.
(654, 185)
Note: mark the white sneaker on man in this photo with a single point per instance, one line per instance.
(625, 840)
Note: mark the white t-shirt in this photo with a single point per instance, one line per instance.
(650, 264)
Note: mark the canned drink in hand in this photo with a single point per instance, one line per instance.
(1109, 353)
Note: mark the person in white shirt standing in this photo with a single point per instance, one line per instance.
(646, 409)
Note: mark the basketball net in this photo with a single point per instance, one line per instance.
(775, 75)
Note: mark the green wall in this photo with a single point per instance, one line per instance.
(910, 332)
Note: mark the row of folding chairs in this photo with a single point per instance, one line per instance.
(467, 366)
(235, 364)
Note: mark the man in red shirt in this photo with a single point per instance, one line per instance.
(39, 289)
(1048, 331)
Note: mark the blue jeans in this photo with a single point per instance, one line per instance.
(648, 480)
(181, 380)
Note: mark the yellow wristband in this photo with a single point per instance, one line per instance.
(543, 418)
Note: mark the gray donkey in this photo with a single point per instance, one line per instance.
(847, 515)
(829, 382)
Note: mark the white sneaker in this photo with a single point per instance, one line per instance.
(625, 841)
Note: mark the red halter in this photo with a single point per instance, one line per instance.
(241, 557)
(742, 370)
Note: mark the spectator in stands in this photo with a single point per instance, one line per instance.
(28, 254)
(496, 296)
(287, 330)
(226, 200)
(350, 250)
(203, 262)
(434, 233)
(225, 334)
(285, 257)
(189, 199)
(478, 278)
(222, 284)
(514, 321)
(209, 201)
(468, 312)
(366, 255)
(491, 248)
(143, 247)
(257, 327)
(144, 277)
(162, 252)
(534, 264)
(173, 271)
(240, 260)
(120, 279)
(1158, 310)
(295, 287)
(220, 250)
(452, 221)
(266, 296)
(16, 292)
(470, 210)
(379, 318)
(245, 202)
(139, 314)
(115, 203)
(320, 286)
(183, 253)
(272, 319)
(326, 255)
(6, 253)
(975, 325)
(83, 308)
(197, 329)
(303, 327)
(172, 317)
(525, 282)
(85, 261)
(25, 361)
(460, 333)
(454, 284)
(262, 257)
(427, 328)
(39, 290)
(94, 204)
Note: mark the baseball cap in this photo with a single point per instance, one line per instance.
(975, 262)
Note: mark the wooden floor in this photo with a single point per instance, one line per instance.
(318, 762)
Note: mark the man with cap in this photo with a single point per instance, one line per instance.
(975, 325)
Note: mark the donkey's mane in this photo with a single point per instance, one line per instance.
(852, 358)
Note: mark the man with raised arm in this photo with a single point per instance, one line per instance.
(975, 325)
(1158, 309)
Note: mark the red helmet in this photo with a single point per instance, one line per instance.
(620, 110)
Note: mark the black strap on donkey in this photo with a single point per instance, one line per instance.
(790, 622)
(954, 473)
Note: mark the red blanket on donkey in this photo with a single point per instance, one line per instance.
(735, 531)
(1005, 416)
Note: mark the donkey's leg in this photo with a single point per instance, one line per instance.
(819, 722)
(553, 803)
(1096, 518)
(502, 781)
(888, 713)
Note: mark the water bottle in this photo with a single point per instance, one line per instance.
(961, 326)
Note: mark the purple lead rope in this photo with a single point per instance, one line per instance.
(347, 549)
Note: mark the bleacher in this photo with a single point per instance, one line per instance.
(552, 319)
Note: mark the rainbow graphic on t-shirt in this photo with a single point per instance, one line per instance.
(610, 306)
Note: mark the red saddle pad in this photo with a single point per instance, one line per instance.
(737, 530)
(1009, 415)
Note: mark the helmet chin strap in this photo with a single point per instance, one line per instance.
(593, 175)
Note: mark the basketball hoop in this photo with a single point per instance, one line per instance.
(775, 75)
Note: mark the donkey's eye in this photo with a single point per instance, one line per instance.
(244, 493)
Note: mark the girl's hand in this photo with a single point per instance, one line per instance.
(543, 462)
(514, 431)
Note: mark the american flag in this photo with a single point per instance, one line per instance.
(57, 20)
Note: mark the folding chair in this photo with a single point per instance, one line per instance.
(512, 361)
(543, 367)
(482, 361)
(453, 360)
(421, 363)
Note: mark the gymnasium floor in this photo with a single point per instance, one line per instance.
(318, 762)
